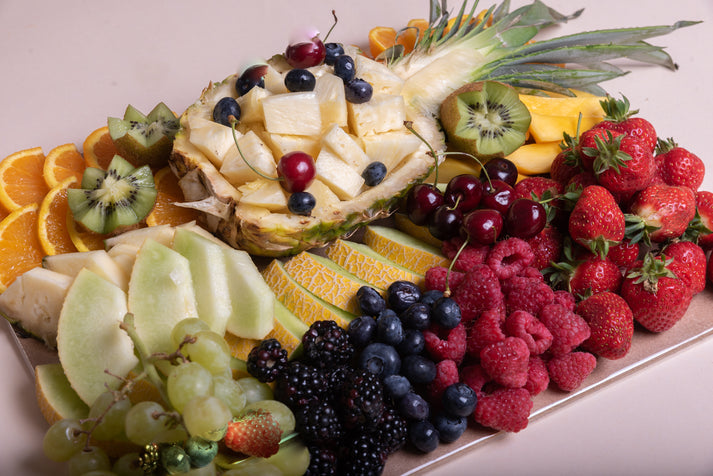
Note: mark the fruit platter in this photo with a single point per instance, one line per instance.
(374, 238)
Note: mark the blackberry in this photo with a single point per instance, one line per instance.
(325, 344)
(393, 431)
(322, 461)
(298, 384)
(318, 422)
(335, 378)
(364, 456)
(361, 399)
(266, 360)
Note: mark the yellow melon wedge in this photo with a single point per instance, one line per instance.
(55, 396)
(404, 249)
(535, 158)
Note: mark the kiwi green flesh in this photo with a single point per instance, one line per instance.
(485, 119)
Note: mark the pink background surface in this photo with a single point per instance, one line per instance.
(68, 65)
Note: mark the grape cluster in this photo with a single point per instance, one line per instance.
(180, 432)
(479, 209)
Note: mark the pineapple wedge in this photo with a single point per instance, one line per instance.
(293, 113)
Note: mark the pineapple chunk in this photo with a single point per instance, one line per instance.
(234, 168)
(346, 148)
(324, 198)
(293, 113)
(383, 113)
(251, 105)
(275, 81)
(212, 138)
(284, 143)
(381, 78)
(264, 193)
(390, 147)
(332, 103)
(344, 181)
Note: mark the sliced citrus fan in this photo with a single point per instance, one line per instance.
(164, 211)
(21, 246)
(62, 162)
(99, 149)
(83, 239)
(21, 181)
(52, 222)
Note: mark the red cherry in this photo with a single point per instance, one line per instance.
(482, 226)
(306, 54)
(463, 192)
(445, 222)
(525, 218)
(497, 195)
(503, 169)
(421, 201)
(297, 170)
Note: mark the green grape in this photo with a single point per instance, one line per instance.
(174, 459)
(63, 439)
(231, 392)
(292, 459)
(187, 381)
(189, 326)
(201, 451)
(210, 350)
(255, 390)
(254, 467)
(112, 422)
(128, 465)
(207, 417)
(88, 459)
(147, 422)
(279, 411)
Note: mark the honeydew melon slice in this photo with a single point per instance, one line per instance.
(160, 233)
(55, 396)
(97, 261)
(92, 348)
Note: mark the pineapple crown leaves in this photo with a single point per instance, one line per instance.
(651, 270)
(617, 110)
(637, 230)
(607, 153)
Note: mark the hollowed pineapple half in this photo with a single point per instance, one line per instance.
(249, 211)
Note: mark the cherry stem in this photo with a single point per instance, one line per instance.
(233, 122)
(409, 126)
(447, 292)
(334, 14)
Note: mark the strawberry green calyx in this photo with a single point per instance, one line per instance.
(651, 270)
(638, 230)
(608, 154)
(617, 110)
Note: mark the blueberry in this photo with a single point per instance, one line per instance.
(418, 369)
(431, 296)
(389, 328)
(396, 387)
(412, 343)
(446, 313)
(459, 399)
(413, 406)
(358, 91)
(449, 427)
(332, 50)
(297, 80)
(361, 330)
(401, 294)
(417, 316)
(374, 173)
(380, 359)
(344, 67)
(301, 203)
(423, 435)
(225, 108)
(370, 301)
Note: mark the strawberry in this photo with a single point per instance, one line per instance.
(611, 324)
(546, 246)
(622, 164)
(678, 166)
(567, 163)
(656, 296)
(689, 264)
(619, 118)
(596, 221)
(537, 186)
(587, 145)
(624, 254)
(257, 433)
(588, 275)
(700, 229)
(659, 213)
(581, 180)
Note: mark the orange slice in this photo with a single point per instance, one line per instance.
(62, 162)
(21, 181)
(418, 25)
(83, 239)
(3, 212)
(99, 149)
(380, 39)
(52, 220)
(20, 248)
(164, 211)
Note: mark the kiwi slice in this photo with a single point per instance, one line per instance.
(122, 195)
(144, 139)
(485, 119)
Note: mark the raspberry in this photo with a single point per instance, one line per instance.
(486, 330)
(527, 294)
(471, 255)
(506, 409)
(565, 298)
(446, 375)
(527, 327)
(529, 272)
(506, 362)
(509, 257)
(479, 291)
(569, 371)
(446, 344)
(537, 376)
(436, 278)
(568, 329)
(475, 377)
